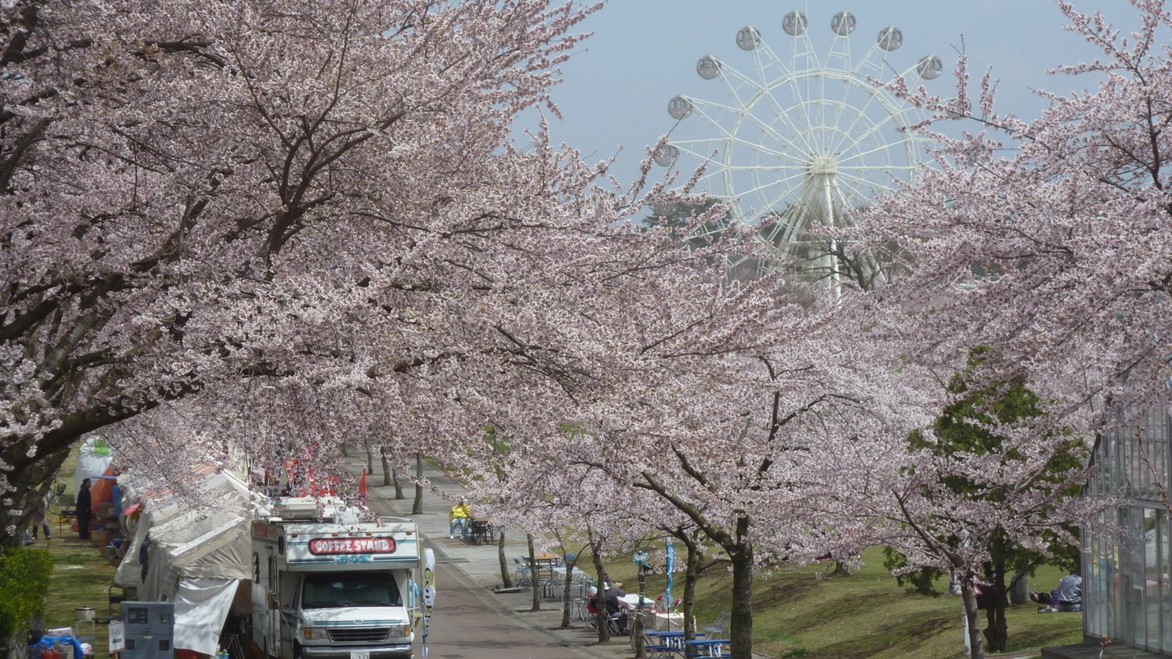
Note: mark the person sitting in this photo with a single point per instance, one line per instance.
(458, 519)
(616, 609)
(1066, 598)
(592, 603)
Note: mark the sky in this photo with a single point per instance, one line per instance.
(643, 52)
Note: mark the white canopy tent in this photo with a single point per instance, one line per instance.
(197, 554)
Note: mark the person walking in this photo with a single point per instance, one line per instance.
(40, 520)
(84, 510)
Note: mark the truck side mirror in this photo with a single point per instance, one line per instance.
(273, 604)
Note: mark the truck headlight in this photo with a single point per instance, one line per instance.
(315, 633)
(399, 631)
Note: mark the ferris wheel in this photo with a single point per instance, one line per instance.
(805, 139)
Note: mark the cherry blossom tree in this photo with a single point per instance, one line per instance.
(751, 416)
(1044, 244)
(971, 501)
(1046, 241)
(575, 506)
(267, 203)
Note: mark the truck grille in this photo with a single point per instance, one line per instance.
(368, 635)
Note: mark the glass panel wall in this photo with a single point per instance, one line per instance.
(1152, 598)
(1099, 565)
(1165, 543)
(1128, 577)
(1132, 573)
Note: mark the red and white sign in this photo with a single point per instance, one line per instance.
(333, 546)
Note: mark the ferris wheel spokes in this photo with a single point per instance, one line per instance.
(714, 119)
(736, 83)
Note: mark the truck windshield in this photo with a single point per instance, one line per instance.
(326, 591)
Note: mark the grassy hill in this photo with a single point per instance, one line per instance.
(811, 612)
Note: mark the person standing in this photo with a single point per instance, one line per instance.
(84, 510)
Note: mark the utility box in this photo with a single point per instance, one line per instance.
(149, 629)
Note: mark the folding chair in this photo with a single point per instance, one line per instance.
(478, 533)
(719, 629)
(522, 572)
(591, 614)
(578, 602)
(615, 622)
(115, 550)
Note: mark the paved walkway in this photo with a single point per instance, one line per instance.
(469, 573)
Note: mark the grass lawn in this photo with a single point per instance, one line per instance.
(813, 613)
(81, 577)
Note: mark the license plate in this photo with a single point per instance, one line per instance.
(360, 654)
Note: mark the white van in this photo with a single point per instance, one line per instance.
(330, 590)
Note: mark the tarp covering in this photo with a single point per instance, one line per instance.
(204, 545)
(102, 490)
(93, 459)
(172, 521)
(157, 505)
(201, 606)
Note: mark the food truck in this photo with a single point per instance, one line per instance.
(334, 589)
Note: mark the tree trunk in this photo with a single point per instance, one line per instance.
(388, 472)
(506, 577)
(567, 590)
(28, 485)
(977, 648)
(996, 600)
(417, 506)
(741, 620)
(600, 617)
(1019, 589)
(369, 455)
(997, 632)
(691, 573)
(534, 573)
(399, 496)
(11, 647)
(636, 628)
